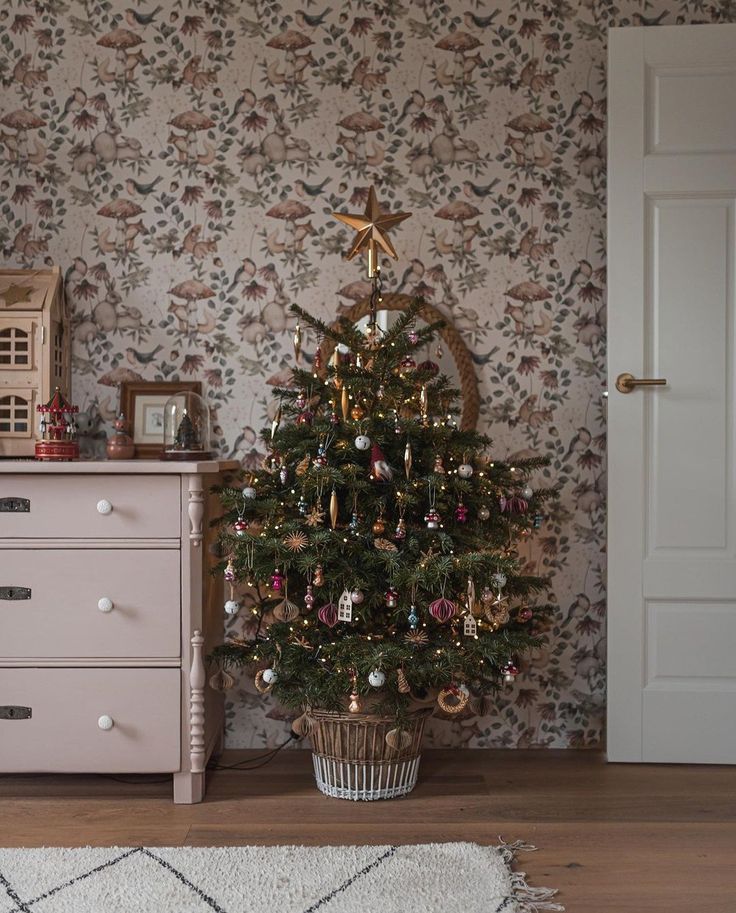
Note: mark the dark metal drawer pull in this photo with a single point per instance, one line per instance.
(15, 592)
(15, 505)
(11, 712)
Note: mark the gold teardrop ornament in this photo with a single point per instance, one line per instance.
(334, 508)
(407, 459)
(276, 422)
(345, 404)
(297, 342)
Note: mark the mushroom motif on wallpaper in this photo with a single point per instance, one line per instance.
(187, 148)
(289, 41)
(121, 210)
(360, 123)
(190, 292)
(16, 144)
(526, 292)
(121, 40)
(459, 43)
(458, 212)
(524, 147)
(289, 211)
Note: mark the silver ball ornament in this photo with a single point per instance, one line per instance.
(377, 679)
(362, 442)
(232, 607)
(527, 493)
(483, 513)
(249, 492)
(465, 470)
(270, 676)
(356, 597)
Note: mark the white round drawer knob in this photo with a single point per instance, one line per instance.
(105, 722)
(105, 604)
(104, 507)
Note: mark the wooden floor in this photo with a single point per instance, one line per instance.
(612, 838)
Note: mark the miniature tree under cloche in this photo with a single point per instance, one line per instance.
(379, 541)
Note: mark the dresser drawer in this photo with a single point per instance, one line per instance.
(89, 603)
(70, 707)
(97, 506)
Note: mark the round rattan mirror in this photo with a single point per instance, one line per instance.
(467, 380)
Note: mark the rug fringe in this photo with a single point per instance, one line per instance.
(527, 898)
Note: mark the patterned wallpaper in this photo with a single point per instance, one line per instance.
(181, 160)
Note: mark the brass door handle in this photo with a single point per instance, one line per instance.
(627, 383)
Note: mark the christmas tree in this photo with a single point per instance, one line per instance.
(379, 541)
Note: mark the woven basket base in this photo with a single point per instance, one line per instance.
(363, 781)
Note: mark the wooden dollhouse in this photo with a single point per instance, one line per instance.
(34, 352)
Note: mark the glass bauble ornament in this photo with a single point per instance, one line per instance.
(249, 492)
(377, 678)
(232, 607)
(483, 513)
(270, 676)
(465, 470)
(357, 597)
(362, 442)
(391, 597)
(527, 493)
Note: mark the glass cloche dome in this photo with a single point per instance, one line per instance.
(186, 428)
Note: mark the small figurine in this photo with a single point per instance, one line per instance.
(120, 445)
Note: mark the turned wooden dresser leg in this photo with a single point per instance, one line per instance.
(189, 785)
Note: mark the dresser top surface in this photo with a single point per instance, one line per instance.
(117, 467)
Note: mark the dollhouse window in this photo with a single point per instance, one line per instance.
(58, 352)
(14, 415)
(15, 348)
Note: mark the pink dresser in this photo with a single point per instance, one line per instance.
(107, 611)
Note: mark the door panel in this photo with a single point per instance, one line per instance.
(672, 313)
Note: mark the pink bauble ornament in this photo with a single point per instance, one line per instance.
(328, 614)
(461, 513)
(442, 609)
(430, 367)
(277, 580)
(407, 364)
(510, 671)
(240, 526)
(525, 614)
(304, 418)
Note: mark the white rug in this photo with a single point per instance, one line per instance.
(446, 877)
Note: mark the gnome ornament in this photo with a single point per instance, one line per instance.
(380, 470)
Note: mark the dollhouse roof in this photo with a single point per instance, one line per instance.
(26, 290)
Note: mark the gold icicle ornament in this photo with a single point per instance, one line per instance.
(334, 509)
(335, 364)
(345, 403)
(424, 402)
(407, 459)
(297, 341)
(372, 231)
(276, 421)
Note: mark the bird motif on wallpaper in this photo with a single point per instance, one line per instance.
(311, 20)
(302, 189)
(133, 186)
(142, 358)
(138, 19)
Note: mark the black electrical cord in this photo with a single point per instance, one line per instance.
(263, 759)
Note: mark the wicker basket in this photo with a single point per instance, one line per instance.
(352, 759)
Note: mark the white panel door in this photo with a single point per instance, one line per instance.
(672, 498)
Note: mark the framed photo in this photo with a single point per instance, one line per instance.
(143, 403)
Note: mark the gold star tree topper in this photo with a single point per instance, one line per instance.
(372, 231)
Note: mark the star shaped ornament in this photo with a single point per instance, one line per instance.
(14, 294)
(372, 231)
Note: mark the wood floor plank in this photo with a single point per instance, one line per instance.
(612, 838)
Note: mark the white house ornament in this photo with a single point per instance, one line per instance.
(345, 607)
(470, 626)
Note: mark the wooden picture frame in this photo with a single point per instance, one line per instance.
(142, 404)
